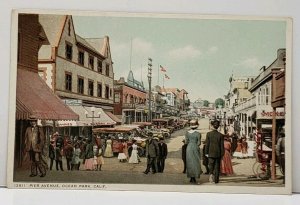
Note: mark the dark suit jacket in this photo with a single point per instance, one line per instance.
(214, 144)
(163, 150)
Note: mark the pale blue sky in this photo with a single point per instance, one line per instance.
(199, 55)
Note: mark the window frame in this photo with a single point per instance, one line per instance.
(79, 59)
(78, 85)
(91, 65)
(90, 89)
(68, 82)
(69, 45)
(99, 91)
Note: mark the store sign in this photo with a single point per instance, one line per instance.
(72, 102)
(268, 114)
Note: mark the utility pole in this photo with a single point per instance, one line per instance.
(149, 80)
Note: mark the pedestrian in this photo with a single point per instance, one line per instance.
(68, 152)
(193, 141)
(51, 152)
(152, 151)
(183, 155)
(238, 151)
(59, 143)
(89, 156)
(100, 160)
(95, 152)
(226, 164)
(214, 150)
(76, 157)
(280, 152)
(121, 156)
(244, 148)
(34, 145)
(108, 149)
(205, 158)
(163, 153)
(134, 157)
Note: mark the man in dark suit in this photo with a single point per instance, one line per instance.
(163, 152)
(183, 155)
(152, 152)
(214, 150)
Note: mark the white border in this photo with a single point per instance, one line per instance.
(178, 188)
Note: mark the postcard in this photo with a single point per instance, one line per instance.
(150, 102)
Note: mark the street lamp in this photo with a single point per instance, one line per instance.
(93, 116)
(149, 80)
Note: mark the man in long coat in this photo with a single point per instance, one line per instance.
(152, 152)
(34, 145)
(214, 150)
(163, 153)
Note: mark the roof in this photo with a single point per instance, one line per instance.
(53, 26)
(113, 117)
(36, 100)
(86, 44)
(100, 44)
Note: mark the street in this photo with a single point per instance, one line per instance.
(114, 171)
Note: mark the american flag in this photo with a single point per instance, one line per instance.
(162, 69)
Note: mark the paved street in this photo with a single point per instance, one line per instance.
(116, 172)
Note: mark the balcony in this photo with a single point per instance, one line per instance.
(251, 102)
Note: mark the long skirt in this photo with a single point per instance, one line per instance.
(193, 167)
(134, 157)
(226, 164)
(89, 164)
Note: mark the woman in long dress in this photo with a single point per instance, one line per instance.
(100, 160)
(108, 149)
(238, 151)
(122, 157)
(193, 141)
(226, 164)
(89, 156)
(134, 158)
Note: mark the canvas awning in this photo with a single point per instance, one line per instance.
(87, 120)
(113, 117)
(34, 99)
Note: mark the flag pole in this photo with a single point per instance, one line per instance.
(158, 74)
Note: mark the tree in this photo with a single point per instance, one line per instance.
(218, 102)
(205, 103)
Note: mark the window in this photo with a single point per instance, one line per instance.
(91, 88)
(81, 57)
(69, 51)
(91, 62)
(68, 82)
(107, 70)
(99, 90)
(110, 92)
(99, 66)
(80, 85)
(117, 97)
(106, 92)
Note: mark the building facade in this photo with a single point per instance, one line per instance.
(76, 67)
(130, 100)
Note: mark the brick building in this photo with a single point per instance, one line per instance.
(130, 100)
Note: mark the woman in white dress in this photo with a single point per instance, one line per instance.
(134, 158)
(108, 149)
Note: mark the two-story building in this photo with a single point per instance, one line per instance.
(77, 68)
(130, 100)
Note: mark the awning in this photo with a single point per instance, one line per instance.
(36, 100)
(99, 120)
(113, 117)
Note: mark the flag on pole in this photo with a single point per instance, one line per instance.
(162, 69)
(167, 77)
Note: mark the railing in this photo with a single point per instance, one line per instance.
(251, 102)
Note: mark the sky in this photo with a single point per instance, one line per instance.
(199, 54)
